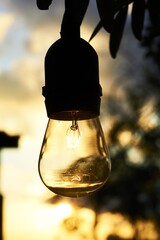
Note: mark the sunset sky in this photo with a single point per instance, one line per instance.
(25, 36)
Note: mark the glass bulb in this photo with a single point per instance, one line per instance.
(74, 159)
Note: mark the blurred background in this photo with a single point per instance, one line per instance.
(128, 206)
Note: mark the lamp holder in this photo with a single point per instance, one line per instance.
(71, 74)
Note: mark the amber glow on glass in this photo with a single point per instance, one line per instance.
(73, 135)
(74, 159)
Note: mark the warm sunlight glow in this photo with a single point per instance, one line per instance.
(117, 224)
(63, 210)
(128, 94)
(146, 230)
(77, 225)
(135, 155)
(6, 20)
(28, 219)
(149, 119)
(125, 138)
(34, 219)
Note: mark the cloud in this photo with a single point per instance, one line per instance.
(21, 103)
(6, 20)
(22, 81)
(32, 15)
(41, 38)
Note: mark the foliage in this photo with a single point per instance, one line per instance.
(113, 15)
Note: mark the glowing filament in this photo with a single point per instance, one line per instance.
(73, 135)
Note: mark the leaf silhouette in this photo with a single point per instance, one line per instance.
(118, 4)
(117, 32)
(43, 4)
(96, 30)
(137, 18)
(154, 10)
(106, 13)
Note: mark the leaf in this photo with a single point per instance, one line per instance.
(43, 4)
(137, 18)
(96, 30)
(154, 10)
(117, 32)
(121, 3)
(106, 13)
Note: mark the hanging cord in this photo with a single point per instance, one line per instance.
(70, 27)
(73, 17)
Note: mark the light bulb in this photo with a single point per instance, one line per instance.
(74, 160)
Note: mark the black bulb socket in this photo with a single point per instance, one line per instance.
(72, 80)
